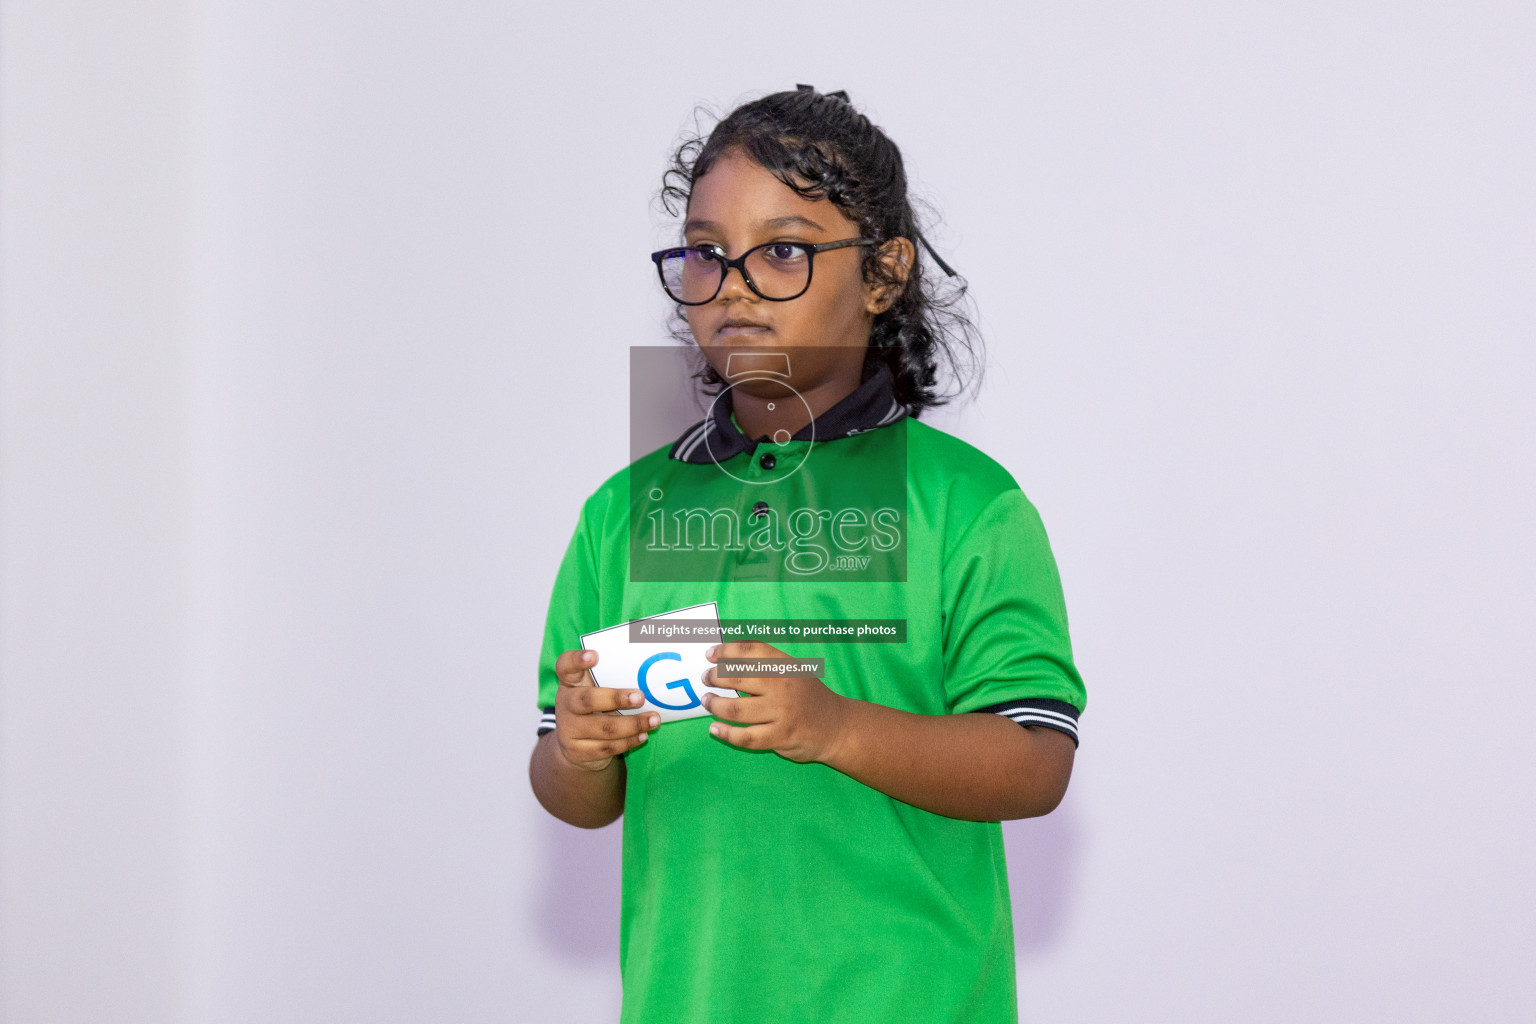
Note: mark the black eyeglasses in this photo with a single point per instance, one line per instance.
(776, 271)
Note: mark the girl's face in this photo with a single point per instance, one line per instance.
(739, 204)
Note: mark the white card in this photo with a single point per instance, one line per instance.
(670, 673)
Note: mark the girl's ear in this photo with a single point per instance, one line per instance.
(896, 257)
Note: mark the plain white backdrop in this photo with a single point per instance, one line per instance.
(315, 323)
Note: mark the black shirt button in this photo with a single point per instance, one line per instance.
(760, 509)
(767, 461)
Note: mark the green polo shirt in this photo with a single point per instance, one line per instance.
(756, 889)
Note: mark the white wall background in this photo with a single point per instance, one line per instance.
(315, 321)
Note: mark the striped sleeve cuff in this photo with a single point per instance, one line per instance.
(547, 720)
(1053, 714)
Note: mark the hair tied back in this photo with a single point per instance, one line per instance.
(839, 95)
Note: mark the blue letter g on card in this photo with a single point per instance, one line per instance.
(677, 684)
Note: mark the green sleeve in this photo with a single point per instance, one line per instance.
(1005, 625)
(573, 606)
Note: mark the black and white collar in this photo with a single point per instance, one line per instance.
(872, 405)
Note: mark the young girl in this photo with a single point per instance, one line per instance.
(819, 848)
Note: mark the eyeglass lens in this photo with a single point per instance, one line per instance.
(779, 270)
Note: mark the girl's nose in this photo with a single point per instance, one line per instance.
(735, 284)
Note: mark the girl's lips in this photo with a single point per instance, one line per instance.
(743, 331)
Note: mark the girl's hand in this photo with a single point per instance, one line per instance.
(589, 730)
(796, 716)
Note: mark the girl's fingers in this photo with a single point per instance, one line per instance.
(594, 736)
(571, 667)
(743, 649)
(580, 695)
(576, 726)
(747, 737)
(746, 710)
(582, 752)
(595, 700)
(609, 727)
(741, 684)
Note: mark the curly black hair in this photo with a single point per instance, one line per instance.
(822, 147)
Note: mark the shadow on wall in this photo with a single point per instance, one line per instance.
(1043, 855)
(578, 909)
